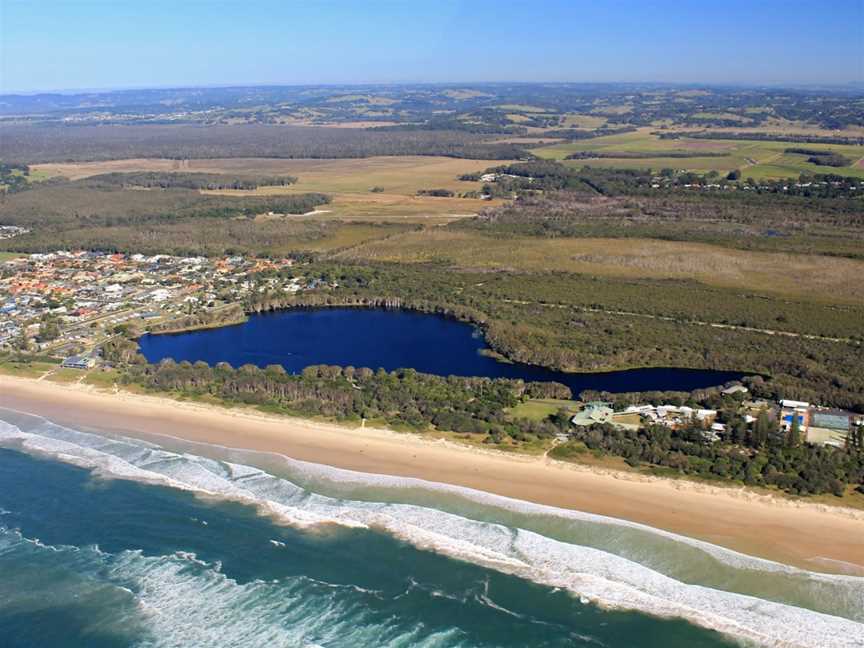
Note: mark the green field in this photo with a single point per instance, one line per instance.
(25, 369)
(540, 409)
(755, 159)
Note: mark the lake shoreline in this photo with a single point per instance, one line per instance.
(807, 535)
(395, 336)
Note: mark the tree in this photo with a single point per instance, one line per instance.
(793, 436)
(22, 342)
(762, 429)
(49, 328)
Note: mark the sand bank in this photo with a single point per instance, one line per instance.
(812, 536)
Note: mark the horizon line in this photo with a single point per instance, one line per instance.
(790, 85)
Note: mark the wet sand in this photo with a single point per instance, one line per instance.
(807, 535)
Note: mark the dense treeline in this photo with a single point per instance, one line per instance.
(51, 143)
(578, 323)
(273, 237)
(757, 454)
(231, 314)
(435, 193)
(829, 159)
(641, 155)
(767, 137)
(175, 180)
(760, 456)
(92, 215)
(13, 177)
(403, 398)
(574, 134)
(488, 123)
(598, 203)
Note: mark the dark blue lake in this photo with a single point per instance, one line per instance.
(391, 339)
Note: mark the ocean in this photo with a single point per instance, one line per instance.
(111, 541)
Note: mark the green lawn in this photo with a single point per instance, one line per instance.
(64, 375)
(103, 379)
(25, 369)
(542, 408)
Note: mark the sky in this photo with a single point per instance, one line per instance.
(100, 44)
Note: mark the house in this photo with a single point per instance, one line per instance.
(594, 412)
(792, 411)
(673, 416)
(829, 426)
(79, 362)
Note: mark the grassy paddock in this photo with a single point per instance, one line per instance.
(812, 277)
(348, 181)
(346, 235)
(539, 409)
(25, 369)
(756, 159)
(403, 174)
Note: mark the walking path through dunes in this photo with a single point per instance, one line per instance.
(814, 277)
(793, 532)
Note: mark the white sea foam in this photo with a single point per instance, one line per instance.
(601, 577)
(179, 600)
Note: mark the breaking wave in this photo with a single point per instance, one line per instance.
(591, 573)
(178, 600)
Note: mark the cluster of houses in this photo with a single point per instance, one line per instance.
(851, 185)
(823, 425)
(88, 294)
(817, 425)
(10, 231)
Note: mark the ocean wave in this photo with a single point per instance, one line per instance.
(178, 600)
(590, 573)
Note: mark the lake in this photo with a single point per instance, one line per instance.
(392, 339)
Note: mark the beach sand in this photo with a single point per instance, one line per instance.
(807, 535)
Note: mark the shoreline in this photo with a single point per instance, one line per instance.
(811, 536)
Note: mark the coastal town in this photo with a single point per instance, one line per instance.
(67, 304)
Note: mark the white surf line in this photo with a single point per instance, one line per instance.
(582, 570)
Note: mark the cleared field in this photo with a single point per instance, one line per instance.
(346, 235)
(523, 108)
(348, 180)
(399, 208)
(66, 376)
(540, 409)
(395, 174)
(583, 121)
(25, 369)
(756, 159)
(819, 278)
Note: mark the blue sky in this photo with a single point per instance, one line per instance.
(47, 44)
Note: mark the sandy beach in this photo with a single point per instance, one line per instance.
(807, 535)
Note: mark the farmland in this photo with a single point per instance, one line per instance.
(756, 159)
(583, 269)
(396, 180)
